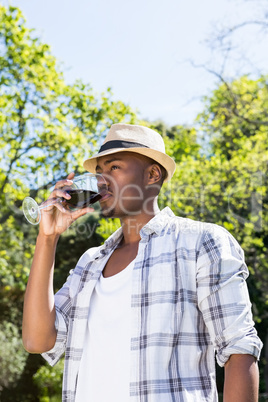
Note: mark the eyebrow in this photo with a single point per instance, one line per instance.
(108, 161)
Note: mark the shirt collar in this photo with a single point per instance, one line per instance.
(157, 223)
(113, 239)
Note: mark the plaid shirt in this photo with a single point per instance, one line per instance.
(189, 299)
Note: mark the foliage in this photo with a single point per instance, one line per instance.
(107, 227)
(235, 121)
(48, 380)
(11, 351)
(47, 128)
(181, 142)
(227, 184)
(235, 118)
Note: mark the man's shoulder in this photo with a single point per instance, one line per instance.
(192, 226)
(192, 232)
(89, 255)
(95, 252)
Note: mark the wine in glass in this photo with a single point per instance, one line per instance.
(85, 190)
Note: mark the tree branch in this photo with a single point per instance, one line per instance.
(21, 127)
(234, 108)
(225, 33)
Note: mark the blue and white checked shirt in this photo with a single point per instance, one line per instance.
(189, 300)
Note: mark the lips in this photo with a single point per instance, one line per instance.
(104, 196)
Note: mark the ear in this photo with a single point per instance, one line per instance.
(154, 174)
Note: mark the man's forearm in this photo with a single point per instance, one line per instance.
(241, 382)
(38, 329)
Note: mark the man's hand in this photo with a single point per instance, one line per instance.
(241, 382)
(56, 219)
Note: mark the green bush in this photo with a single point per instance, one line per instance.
(49, 381)
(12, 354)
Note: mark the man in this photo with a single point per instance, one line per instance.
(139, 318)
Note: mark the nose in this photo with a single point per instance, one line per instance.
(103, 181)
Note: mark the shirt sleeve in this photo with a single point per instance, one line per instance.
(223, 296)
(63, 304)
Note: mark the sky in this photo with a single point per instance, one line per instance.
(147, 51)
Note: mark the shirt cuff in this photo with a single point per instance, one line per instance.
(250, 345)
(53, 355)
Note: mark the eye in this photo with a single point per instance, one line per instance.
(114, 167)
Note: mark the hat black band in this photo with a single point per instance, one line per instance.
(120, 144)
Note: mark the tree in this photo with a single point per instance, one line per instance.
(235, 123)
(10, 347)
(233, 41)
(47, 128)
(227, 182)
(236, 112)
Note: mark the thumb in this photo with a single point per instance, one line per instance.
(70, 176)
(81, 212)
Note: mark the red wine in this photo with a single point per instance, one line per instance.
(81, 198)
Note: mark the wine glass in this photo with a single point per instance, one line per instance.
(85, 190)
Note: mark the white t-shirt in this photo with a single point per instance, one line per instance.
(105, 366)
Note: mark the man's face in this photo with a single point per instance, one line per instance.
(125, 174)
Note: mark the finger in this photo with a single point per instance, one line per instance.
(62, 183)
(73, 215)
(77, 214)
(59, 193)
(62, 209)
(70, 176)
(65, 182)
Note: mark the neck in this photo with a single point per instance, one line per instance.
(131, 225)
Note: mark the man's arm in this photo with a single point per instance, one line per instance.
(241, 382)
(38, 327)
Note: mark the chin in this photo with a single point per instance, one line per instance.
(108, 213)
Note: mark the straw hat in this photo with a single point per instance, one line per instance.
(132, 138)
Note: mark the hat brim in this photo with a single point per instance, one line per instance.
(166, 161)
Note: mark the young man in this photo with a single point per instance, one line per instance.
(140, 317)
